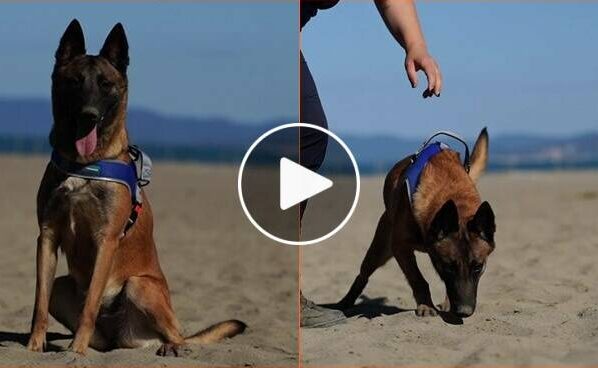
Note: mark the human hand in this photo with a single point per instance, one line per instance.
(417, 59)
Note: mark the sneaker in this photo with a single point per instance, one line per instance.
(314, 316)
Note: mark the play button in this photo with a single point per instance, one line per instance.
(298, 183)
(292, 198)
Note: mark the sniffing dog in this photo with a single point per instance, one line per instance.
(115, 294)
(446, 219)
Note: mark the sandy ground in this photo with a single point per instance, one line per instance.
(217, 265)
(537, 303)
(537, 299)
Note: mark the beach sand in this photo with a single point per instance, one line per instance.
(217, 265)
(537, 301)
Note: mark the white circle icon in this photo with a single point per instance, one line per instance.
(298, 183)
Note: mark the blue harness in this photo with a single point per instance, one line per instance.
(420, 159)
(125, 173)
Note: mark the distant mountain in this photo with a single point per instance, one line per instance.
(524, 150)
(513, 151)
(33, 118)
(25, 124)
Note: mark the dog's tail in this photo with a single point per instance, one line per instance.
(479, 155)
(217, 332)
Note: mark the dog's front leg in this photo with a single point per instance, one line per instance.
(377, 255)
(93, 300)
(47, 247)
(419, 285)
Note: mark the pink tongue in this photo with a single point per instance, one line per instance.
(86, 145)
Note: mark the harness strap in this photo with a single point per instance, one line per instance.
(135, 212)
(455, 136)
(117, 171)
(103, 170)
(421, 157)
(418, 163)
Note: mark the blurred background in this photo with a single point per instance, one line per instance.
(212, 75)
(525, 70)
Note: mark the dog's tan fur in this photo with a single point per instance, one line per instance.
(115, 294)
(443, 179)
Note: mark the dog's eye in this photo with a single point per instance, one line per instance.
(105, 84)
(73, 81)
(477, 268)
(483, 236)
(452, 268)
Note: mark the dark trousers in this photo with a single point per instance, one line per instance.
(312, 142)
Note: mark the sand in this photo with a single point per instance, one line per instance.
(217, 266)
(537, 302)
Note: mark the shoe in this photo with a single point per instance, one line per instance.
(315, 316)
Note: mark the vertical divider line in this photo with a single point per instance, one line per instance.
(299, 250)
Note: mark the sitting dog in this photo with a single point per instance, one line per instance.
(90, 205)
(435, 209)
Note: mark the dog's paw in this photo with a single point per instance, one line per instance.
(36, 343)
(445, 306)
(425, 311)
(78, 347)
(171, 349)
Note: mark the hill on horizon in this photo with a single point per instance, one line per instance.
(26, 123)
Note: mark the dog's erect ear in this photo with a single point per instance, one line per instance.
(483, 223)
(116, 48)
(479, 156)
(445, 222)
(72, 43)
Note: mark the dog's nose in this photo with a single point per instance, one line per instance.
(90, 114)
(464, 311)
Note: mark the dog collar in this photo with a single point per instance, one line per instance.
(420, 159)
(125, 173)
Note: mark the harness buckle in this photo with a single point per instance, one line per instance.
(135, 212)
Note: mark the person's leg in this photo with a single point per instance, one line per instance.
(312, 142)
(313, 145)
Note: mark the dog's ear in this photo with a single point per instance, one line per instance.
(116, 48)
(483, 223)
(479, 155)
(72, 43)
(446, 222)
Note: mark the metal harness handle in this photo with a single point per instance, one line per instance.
(455, 136)
(143, 164)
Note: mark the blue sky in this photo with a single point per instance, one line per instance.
(516, 67)
(235, 60)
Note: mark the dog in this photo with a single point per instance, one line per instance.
(115, 294)
(445, 219)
